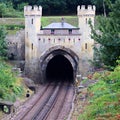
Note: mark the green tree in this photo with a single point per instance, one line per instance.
(109, 35)
(2, 9)
(10, 85)
(52, 6)
(101, 6)
(21, 6)
(57, 6)
(3, 45)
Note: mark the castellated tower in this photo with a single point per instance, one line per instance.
(60, 50)
(84, 16)
(33, 17)
(32, 27)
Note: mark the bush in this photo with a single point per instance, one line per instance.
(14, 27)
(3, 45)
(104, 97)
(9, 89)
(7, 10)
(13, 14)
(96, 75)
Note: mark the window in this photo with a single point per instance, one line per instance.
(41, 28)
(70, 31)
(32, 46)
(86, 46)
(32, 21)
(86, 20)
(43, 40)
(74, 40)
(52, 31)
(27, 34)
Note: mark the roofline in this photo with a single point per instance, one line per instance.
(60, 28)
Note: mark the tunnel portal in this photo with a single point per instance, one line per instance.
(59, 64)
(59, 68)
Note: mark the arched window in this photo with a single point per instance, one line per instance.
(86, 20)
(54, 40)
(43, 40)
(32, 46)
(86, 46)
(32, 21)
(27, 34)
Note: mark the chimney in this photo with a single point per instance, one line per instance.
(62, 21)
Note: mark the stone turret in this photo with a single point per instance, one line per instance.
(89, 11)
(57, 41)
(29, 10)
(33, 18)
(32, 28)
(84, 15)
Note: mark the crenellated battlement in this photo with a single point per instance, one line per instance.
(44, 48)
(35, 10)
(82, 10)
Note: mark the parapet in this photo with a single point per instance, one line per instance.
(82, 10)
(30, 11)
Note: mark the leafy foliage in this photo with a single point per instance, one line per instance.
(109, 35)
(101, 6)
(9, 89)
(104, 98)
(3, 45)
(14, 27)
(50, 7)
(7, 10)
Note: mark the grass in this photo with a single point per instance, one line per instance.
(11, 32)
(70, 19)
(12, 21)
(46, 20)
(11, 86)
(104, 98)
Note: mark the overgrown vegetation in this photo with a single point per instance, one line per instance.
(108, 36)
(10, 86)
(14, 27)
(14, 24)
(7, 10)
(104, 97)
(3, 45)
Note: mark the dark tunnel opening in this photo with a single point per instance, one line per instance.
(58, 69)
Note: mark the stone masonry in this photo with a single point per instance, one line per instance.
(42, 45)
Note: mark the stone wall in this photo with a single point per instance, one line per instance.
(32, 70)
(16, 49)
(38, 42)
(16, 46)
(63, 32)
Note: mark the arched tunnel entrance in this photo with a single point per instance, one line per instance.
(59, 68)
(59, 64)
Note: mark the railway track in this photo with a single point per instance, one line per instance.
(56, 109)
(53, 102)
